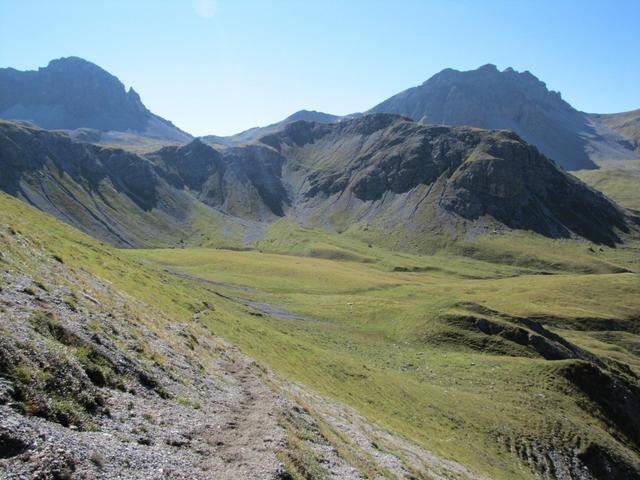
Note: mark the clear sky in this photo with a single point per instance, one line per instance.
(221, 66)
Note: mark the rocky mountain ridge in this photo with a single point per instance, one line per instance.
(78, 96)
(493, 99)
(389, 170)
(378, 170)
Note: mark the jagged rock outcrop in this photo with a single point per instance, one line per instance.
(195, 166)
(244, 181)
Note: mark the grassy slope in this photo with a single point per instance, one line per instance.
(202, 225)
(619, 182)
(382, 341)
(625, 123)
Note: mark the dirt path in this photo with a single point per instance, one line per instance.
(264, 308)
(246, 440)
(203, 412)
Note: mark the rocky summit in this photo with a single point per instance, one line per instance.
(71, 93)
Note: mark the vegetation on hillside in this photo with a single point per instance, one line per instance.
(619, 181)
(482, 362)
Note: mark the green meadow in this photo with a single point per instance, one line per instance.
(390, 343)
(385, 332)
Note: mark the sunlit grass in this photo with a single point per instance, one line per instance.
(383, 341)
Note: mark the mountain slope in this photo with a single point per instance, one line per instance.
(103, 349)
(626, 124)
(388, 171)
(165, 198)
(618, 180)
(72, 93)
(109, 368)
(488, 98)
(380, 172)
(112, 194)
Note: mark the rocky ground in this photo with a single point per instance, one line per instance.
(183, 417)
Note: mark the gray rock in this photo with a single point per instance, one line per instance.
(72, 93)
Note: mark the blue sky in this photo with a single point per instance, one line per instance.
(221, 66)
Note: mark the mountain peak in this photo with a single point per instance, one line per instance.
(489, 67)
(311, 116)
(72, 93)
(71, 60)
(75, 65)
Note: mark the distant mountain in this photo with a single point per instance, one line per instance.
(518, 101)
(626, 124)
(375, 173)
(257, 132)
(72, 93)
(310, 116)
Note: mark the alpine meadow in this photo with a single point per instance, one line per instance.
(441, 285)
